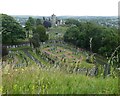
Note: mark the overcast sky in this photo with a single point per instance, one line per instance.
(60, 7)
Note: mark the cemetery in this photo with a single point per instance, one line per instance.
(56, 60)
(47, 66)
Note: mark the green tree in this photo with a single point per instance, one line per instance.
(39, 35)
(11, 30)
(38, 22)
(47, 24)
(98, 39)
(41, 31)
(109, 41)
(104, 40)
(35, 40)
(71, 21)
(4, 51)
(71, 34)
(29, 25)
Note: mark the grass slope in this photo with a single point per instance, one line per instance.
(34, 80)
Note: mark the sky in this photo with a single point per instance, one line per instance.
(60, 7)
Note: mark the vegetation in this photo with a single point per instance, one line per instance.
(47, 24)
(19, 48)
(95, 38)
(11, 30)
(39, 35)
(34, 80)
(38, 22)
(57, 33)
(4, 51)
(29, 25)
(72, 22)
(64, 60)
(41, 32)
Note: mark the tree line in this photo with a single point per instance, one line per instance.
(34, 30)
(12, 31)
(95, 38)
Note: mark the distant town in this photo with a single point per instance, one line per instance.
(109, 21)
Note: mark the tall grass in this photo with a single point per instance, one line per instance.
(34, 80)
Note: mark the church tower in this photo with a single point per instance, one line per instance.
(53, 20)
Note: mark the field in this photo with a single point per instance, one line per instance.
(54, 68)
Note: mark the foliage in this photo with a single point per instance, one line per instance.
(41, 31)
(104, 40)
(4, 51)
(38, 22)
(71, 34)
(47, 24)
(59, 30)
(19, 48)
(35, 40)
(29, 25)
(39, 35)
(34, 80)
(11, 30)
(72, 22)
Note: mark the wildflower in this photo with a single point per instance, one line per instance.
(15, 69)
(22, 69)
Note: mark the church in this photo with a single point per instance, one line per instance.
(54, 20)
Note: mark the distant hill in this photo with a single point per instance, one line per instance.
(64, 17)
(109, 21)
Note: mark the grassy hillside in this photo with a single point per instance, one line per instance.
(57, 32)
(29, 71)
(24, 76)
(34, 80)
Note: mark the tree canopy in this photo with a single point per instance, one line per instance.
(11, 29)
(39, 35)
(29, 25)
(71, 21)
(47, 24)
(104, 40)
(38, 22)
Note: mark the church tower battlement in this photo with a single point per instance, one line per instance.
(53, 20)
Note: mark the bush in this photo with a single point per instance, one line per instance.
(4, 51)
